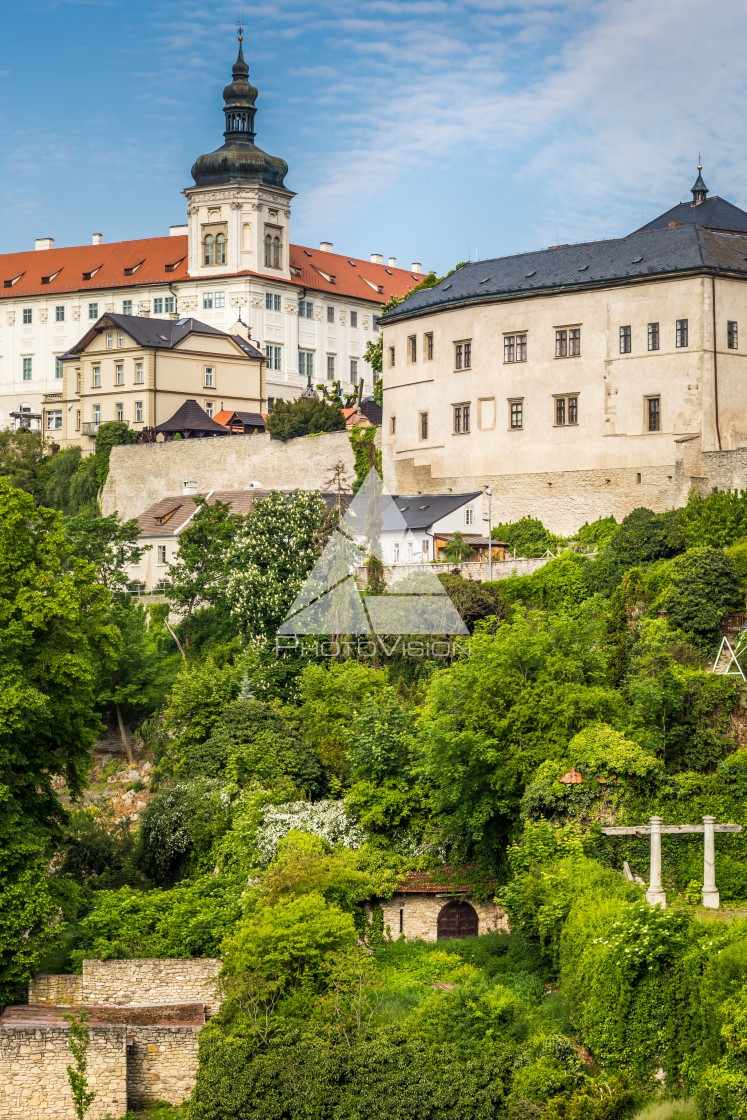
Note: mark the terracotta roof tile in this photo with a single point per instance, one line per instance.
(164, 259)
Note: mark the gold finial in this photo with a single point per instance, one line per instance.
(241, 30)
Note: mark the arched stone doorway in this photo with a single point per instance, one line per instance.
(457, 919)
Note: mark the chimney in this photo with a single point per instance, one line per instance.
(392, 262)
(190, 488)
(178, 231)
(377, 258)
(325, 246)
(44, 243)
(416, 266)
(97, 239)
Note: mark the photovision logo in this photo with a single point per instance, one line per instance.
(413, 617)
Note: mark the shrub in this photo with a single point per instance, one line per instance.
(304, 417)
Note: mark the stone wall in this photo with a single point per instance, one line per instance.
(141, 474)
(502, 569)
(60, 991)
(416, 915)
(161, 1064)
(138, 982)
(33, 1077)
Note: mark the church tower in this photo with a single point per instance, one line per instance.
(239, 208)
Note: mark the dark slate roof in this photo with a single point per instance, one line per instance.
(683, 249)
(715, 213)
(161, 334)
(372, 411)
(189, 417)
(420, 511)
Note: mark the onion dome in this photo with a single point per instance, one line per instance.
(239, 160)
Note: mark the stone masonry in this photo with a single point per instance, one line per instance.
(33, 1072)
(133, 983)
(414, 916)
(161, 1064)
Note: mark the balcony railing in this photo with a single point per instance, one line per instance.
(90, 428)
(52, 397)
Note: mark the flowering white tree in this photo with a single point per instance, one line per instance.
(271, 556)
(328, 819)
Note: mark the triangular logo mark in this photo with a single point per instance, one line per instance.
(340, 611)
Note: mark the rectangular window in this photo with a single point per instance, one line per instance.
(168, 304)
(77, 383)
(354, 370)
(274, 356)
(425, 548)
(268, 301)
(209, 408)
(209, 377)
(732, 335)
(77, 419)
(681, 332)
(54, 420)
(109, 339)
(207, 301)
(625, 340)
(138, 373)
(120, 338)
(58, 368)
(468, 355)
(412, 348)
(424, 425)
(574, 343)
(161, 553)
(428, 346)
(270, 403)
(59, 313)
(461, 419)
(469, 516)
(458, 355)
(158, 306)
(330, 314)
(561, 344)
(516, 415)
(97, 414)
(119, 411)
(521, 348)
(566, 411)
(306, 363)
(391, 357)
(97, 377)
(653, 413)
(353, 318)
(392, 425)
(277, 304)
(410, 551)
(272, 302)
(28, 315)
(93, 311)
(509, 348)
(305, 309)
(119, 375)
(127, 307)
(395, 552)
(138, 412)
(330, 367)
(27, 369)
(653, 336)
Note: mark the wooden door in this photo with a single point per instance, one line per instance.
(457, 919)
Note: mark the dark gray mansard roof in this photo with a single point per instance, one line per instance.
(420, 511)
(646, 253)
(715, 213)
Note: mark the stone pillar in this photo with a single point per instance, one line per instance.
(709, 894)
(655, 894)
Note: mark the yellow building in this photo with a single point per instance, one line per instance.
(578, 381)
(141, 371)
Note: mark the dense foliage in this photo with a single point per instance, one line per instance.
(304, 417)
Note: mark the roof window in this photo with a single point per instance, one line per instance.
(306, 251)
(164, 517)
(532, 273)
(90, 275)
(388, 270)
(583, 268)
(174, 265)
(14, 280)
(637, 260)
(52, 276)
(445, 287)
(485, 280)
(132, 269)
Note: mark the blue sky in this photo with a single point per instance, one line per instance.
(422, 129)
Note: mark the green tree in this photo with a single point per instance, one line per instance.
(22, 453)
(271, 556)
(304, 417)
(108, 544)
(528, 537)
(457, 549)
(200, 566)
(367, 458)
(704, 585)
(110, 434)
(78, 1043)
(68, 482)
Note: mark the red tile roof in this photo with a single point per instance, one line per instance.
(448, 880)
(90, 268)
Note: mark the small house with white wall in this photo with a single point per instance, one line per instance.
(427, 516)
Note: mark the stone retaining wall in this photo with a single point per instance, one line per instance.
(161, 1064)
(33, 1073)
(138, 982)
(61, 991)
(502, 569)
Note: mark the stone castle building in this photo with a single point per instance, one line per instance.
(311, 311)
(582, 380)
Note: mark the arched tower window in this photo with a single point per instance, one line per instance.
(276, 252)
(208, 250)
(268, 251)
(220, 248)
(457, 919)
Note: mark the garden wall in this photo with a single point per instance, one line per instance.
(161, 1064)
(138, 982)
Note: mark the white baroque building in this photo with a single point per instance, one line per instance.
(311, 311)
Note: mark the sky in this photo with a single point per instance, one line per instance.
(428, 130)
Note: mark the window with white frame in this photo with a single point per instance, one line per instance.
(127, 307)
(138, 373)
(97, 414)
(158, 305)
(207, 301)
(354, 370)
(305, 309)
(274, 356)
(54, 420)
(119, 374)
(58, 371)
(273, 302)
(425, 548)
(120, 338)
(119, 411)
(395, 552)
(209, 409)
(161, 554)
(138, 412)
(220, 299)
(93, 311)
(168, 304)
(27, 366)
(469, 516)
(28, 315)
(306, 363)
(59, 313)
(410, 552)
(209, 377)
(330, 367)
(109, 339)
(97, 377)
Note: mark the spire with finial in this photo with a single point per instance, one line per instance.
(699, 190)
(240, 99)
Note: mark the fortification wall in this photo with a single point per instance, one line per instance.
(33, 1073)
(137, 982)
(140, 474)
(161, 1065)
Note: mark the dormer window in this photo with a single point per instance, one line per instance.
(132, 269)
(173, 267)
(208, 249)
